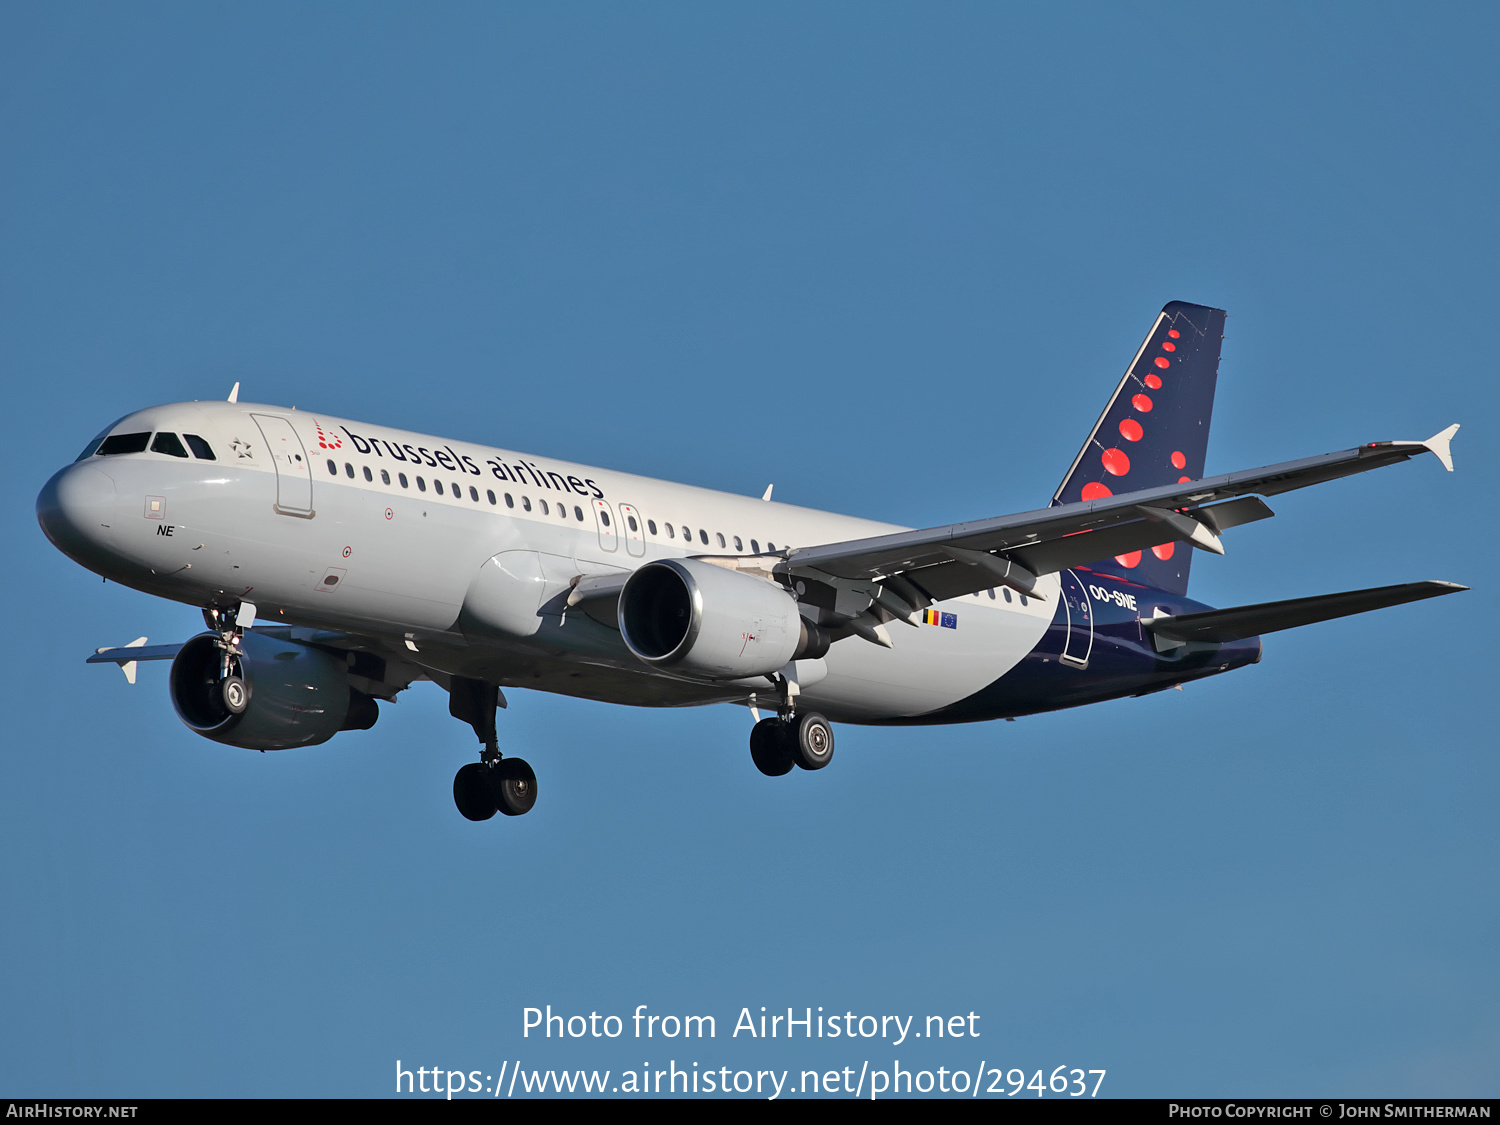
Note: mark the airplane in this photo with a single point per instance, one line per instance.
(338, 562)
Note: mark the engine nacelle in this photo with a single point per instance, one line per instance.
(298, 695)
(708, 621)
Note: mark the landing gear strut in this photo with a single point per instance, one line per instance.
(230, 622)
(492, 784)
(806, 740)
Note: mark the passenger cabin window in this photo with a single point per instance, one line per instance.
(123, 443)
(577, 511)
(703, 535)
(738, 546)
(421, 485)
(490, 493)
(333, 470)
(348, 470)
(385, 477)
(402, 478)
(721, 539)
(651, 526)
(754, 547)
(526, 503)
(510, 501)
(545, 510)
(604, 516)
(368, 475)
(437, 486)
(201, 449)
(170, 444)
(669, 531)
(474, 495)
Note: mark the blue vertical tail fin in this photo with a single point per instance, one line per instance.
(1153, 432)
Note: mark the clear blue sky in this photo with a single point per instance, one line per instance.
(893, 258)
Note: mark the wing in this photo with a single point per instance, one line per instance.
(376, 668)
(962, 558)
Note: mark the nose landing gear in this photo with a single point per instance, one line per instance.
(492, 784)
(230, 622)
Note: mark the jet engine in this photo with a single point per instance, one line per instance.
(279, 694)
(707, 621)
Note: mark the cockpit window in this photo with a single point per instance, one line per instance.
(93, 447)
(168, 443)
(124, 443)
(201, 449)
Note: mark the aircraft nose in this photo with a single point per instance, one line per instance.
(75, 509)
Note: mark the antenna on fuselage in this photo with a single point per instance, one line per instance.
(767, 496)
(234, 395)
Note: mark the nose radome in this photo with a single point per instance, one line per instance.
(76, 508)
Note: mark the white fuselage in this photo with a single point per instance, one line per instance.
(327, 523)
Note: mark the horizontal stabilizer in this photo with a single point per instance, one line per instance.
(1219, 626)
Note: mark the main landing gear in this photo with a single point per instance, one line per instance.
(507, 785)
(492, 784)
(776, 745)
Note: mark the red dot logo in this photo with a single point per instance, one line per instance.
(1174, 333)
(1164, 551)
(1169, 347)
(1131, 430)
(1142, 403)
(1163, 362)
(1178, 460)
(1115, 462)
(1128, 561)
(1096, 491)
(1153, 382)
(1184, 480)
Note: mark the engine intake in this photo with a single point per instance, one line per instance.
(297, 695)
(712, 622)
